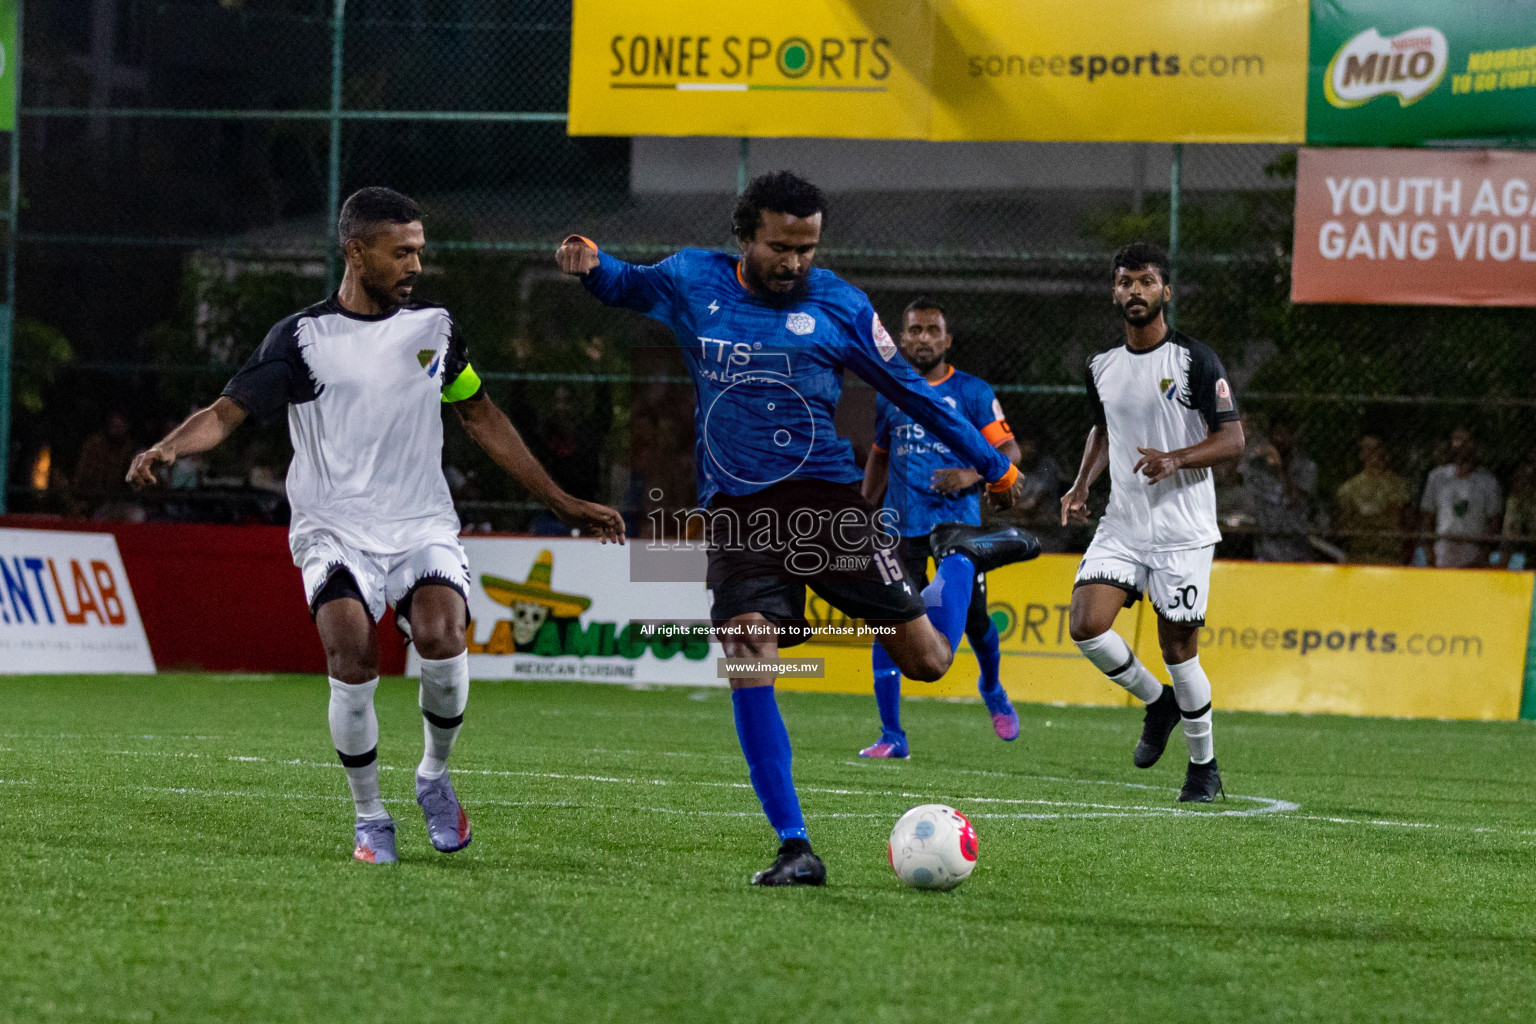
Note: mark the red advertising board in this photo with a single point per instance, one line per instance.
(220, 598)
(1415, 227)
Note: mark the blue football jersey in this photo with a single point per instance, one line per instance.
(768, 377)
(916, 452)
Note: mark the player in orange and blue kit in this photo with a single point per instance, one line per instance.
(925, 483)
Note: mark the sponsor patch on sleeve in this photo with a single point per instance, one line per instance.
(883, 343)
(1223, 396)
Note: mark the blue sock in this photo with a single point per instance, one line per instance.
(888, 692)
(765, 745)
(948, 597)
(988, 656)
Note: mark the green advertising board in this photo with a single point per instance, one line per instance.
(8, 64)
(1401, 72)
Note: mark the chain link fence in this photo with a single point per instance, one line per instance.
(182, 162)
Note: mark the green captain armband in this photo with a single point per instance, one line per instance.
(466, 385)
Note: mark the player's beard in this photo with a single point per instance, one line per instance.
(792, 297)
(1141, 319)
(925, 362)
(387, 297)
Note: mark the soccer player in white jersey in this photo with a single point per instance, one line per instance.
(1163, 415)
(363, 377)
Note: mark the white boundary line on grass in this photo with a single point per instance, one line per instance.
(1126, 812)
(1269, 806)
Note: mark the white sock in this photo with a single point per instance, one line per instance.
(1111, 655)
(355, 732)
(1193, 692)
(444, 692)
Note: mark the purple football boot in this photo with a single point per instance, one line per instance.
(1005, 720)
(889, 745)
(375, 840)
(447, 824)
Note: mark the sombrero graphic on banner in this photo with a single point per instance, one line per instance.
(535, 599)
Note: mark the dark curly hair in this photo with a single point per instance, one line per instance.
(781, 192)
(1139, 255)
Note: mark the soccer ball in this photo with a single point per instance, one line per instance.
(933, 847)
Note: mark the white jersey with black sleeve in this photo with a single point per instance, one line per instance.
(364, 398)
(1168, 397)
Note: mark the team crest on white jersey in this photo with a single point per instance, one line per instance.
(883, 342)
(1223, 396)
(800, 323)
(1168, 387)
(429, 360)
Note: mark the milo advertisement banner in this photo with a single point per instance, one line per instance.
(1401, 72)
(556, 608)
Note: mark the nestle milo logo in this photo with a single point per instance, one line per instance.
(1408, 65)
(546, 622)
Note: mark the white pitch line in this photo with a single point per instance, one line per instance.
(1270, 805)
(1127, 812)
(1150, 812)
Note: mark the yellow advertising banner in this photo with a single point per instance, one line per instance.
(1090, 71)
(1418, 643)
(1029, 603)
(1200, 71)
(857, 68)
(1363, 640)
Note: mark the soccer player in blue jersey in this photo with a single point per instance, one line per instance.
(924, 484)
(766, 339)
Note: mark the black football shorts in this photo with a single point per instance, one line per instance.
(827, 540)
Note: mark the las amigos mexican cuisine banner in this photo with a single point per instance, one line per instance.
(1418, 227)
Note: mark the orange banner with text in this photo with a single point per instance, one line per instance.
(1355, 640)
(1415, 227)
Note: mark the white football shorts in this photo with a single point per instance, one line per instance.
(383, 578)
(1176, 582)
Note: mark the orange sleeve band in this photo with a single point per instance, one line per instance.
(583, 239)
(1006, 482)
(997, 432)
(876, 448)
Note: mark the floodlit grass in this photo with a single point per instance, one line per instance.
(178, 849)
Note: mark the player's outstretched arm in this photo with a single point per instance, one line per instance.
(650, 290)
(203, 430)
(492, 431)
(576, 256)
(1226, 442)
(1074, 504)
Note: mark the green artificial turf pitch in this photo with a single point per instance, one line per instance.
(179, 849)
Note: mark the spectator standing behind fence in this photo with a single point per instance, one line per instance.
(1280, 482)
(1372, 505)
(1461, 505)
(103, 463)
(1519, 545)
